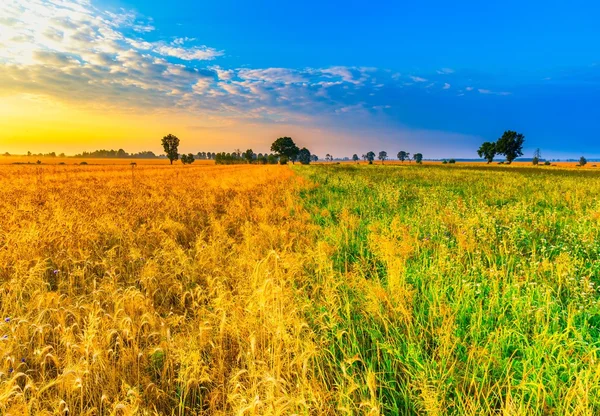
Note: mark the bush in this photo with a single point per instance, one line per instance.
(444, 162)
(452, 161)
(547, 163)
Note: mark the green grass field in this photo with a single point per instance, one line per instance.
(457, 290)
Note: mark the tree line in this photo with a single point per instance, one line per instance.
(283, 150)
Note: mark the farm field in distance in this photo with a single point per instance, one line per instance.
(313, 290)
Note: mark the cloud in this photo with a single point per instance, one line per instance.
(201, 53)
(73, 52)
(485, 91)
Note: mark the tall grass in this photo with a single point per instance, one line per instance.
(257, 290)
(457, 291)
(171, 293)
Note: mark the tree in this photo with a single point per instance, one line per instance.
(355, 157)
(418, 158)
(402, 155)
(170, 144)
(382, 156)
(314, 158)
(248, 155)
(487, 151)
(537, 155)
(582, 161)
(510, 145)
(370, 157)
(187, 159)
(304, 156)
(285, 146)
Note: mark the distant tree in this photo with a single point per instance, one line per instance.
(452, 161)
(328, 158)
(248, 155)
(418, 158)
(355, 157)
(314, 158)
(170, 145)
(510, 145)
(187, 159)
(304, 156)
(582, 161)
(487, 151)
(402, 155)
(370, 157)
(283, 160)
(272, 159)
(285, 146)
(537, 155)
(382, 156)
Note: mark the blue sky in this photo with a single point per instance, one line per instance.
(436, 77)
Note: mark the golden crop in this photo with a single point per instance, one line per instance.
(167, 292)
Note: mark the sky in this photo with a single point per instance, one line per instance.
(434, 77)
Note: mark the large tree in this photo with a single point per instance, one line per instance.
(510, 145)
(170, 144)
(418, 157)
(370, 157)
(402, 155)
(382, 156)
(487, 151)
(355, 157)
(304, 156)
(285, 146)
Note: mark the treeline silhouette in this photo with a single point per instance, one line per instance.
(109, 154)
(246, 157)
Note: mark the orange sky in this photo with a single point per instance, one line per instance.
(40, 124)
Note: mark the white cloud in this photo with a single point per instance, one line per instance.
(485, 91)
(445, 71)
(418, 79)
(200, 53)
(446, 86)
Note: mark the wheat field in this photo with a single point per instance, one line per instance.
(309, 290)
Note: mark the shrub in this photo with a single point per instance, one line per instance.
(452, 161)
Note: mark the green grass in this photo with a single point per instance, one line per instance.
(456, 290)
